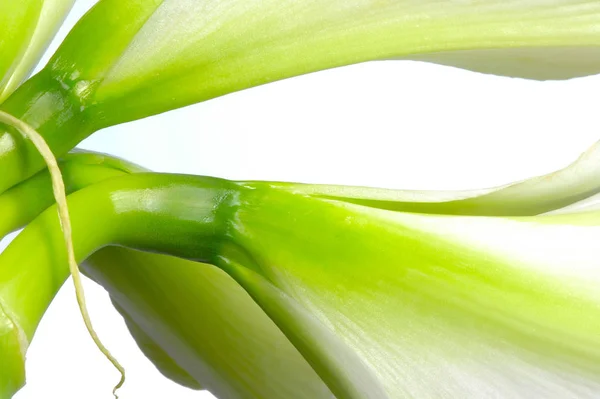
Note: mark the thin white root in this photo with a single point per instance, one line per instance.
(58, 189)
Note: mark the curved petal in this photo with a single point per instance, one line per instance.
(18, 21)
(13, 346)
(432, 305)
(577, 182)
(51, 15)
(23, 202)
(439, 306)
(212, 331)
(172, 53)
(123, 217)
(176, 52)
(224, 341)
(335, 362)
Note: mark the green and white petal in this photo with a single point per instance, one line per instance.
(210, 335)
(217, 338)
(378, 302)
(28, 27)
(435, 305)
(51, 16)
(18, 21)
(578, 182)
(177, 52)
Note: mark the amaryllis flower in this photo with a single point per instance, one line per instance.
(328, 291)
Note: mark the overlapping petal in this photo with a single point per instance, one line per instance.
(436, 305)
(377, 301)
(172, 53)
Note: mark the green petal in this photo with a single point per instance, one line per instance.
(217, 335)
(439, 306)
(432, 305)
(164, 362)
(335, 362)
(578, 182)
(130, 59)
(210, 332)
(13, 345)
(23, 202)
(18, 22)
(173, 53)
(122, 217)
(429, 305)
(51, 15)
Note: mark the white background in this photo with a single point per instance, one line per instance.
(392, 124)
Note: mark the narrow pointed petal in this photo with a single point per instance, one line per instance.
(579, 181)
(18, 21)
(51, 15)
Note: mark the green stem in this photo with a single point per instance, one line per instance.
(133, 211)
(18, 206)
(53, 109)
(185, 216)
(22, 203)
(122, 206)
(109, 267)
(294, 253)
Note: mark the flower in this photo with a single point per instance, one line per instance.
(345, 294)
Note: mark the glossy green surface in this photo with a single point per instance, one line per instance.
(211, 334)
(435, 305)
(364, 293)
(18, 206)
(173, 53)
(28, 27)
(18, 20)
(12, 347)
(140, 201)
(226, 344)
(51, 109)
(23, 202)
(375, 300)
